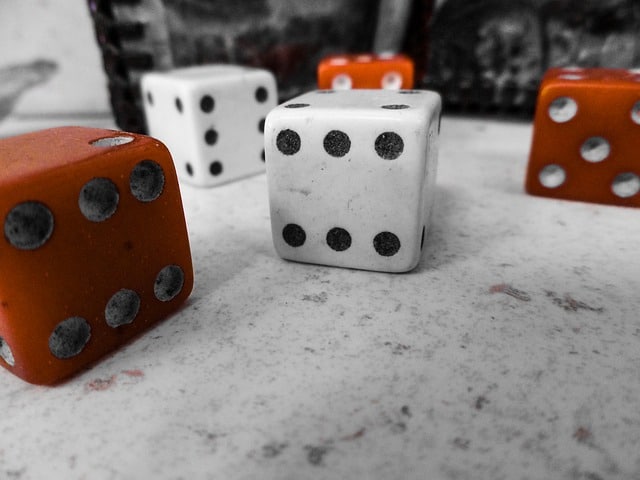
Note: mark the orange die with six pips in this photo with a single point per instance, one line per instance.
(371, 71)
(95, 247)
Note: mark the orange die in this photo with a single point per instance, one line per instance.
(586, 137)
(95, 247)
(372, 71)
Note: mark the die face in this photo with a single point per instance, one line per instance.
(366, 71)
(212, 119)
(585, 137)
(350, 175)
(96, 246)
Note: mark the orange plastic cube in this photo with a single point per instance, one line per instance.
(586, 137)
(371, 71)
(95, 247)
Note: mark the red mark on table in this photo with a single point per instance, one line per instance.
(511, 291)
(101, 384)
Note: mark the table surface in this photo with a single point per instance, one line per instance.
(511, 352)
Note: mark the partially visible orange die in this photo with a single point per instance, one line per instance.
(586, 137)
(370, 70)
(95, 247)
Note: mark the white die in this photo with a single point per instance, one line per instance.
(351, 176)
(211, 118)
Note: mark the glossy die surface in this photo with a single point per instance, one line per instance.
(351, 176)
(586, 137)
(94, 250)
(368, 71)
(211, 118)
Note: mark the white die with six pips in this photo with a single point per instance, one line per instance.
(351, 176)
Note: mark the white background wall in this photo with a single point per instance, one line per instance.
(60, 31)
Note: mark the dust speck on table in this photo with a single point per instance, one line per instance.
(321, 297)
(272, 450)
(316, 454)
(480, 402)
(582, 434)
(570, 304)
(101, 384)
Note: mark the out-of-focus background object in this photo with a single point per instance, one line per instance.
(16, 79)
(489, 55)
(483, 56)
(288, 37)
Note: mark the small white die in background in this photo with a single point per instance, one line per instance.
(351, 176)
(211, 118)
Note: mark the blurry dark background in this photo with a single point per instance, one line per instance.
(488, 55)
(483, 56)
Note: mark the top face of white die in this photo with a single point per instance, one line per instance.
(206, 73)
(189, 90)
(412, 105)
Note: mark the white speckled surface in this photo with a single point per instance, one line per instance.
(512, 352)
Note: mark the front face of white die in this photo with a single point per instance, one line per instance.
(211, 118)
(350, 177)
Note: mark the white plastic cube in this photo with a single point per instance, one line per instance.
(351, 176)
(211, 118)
